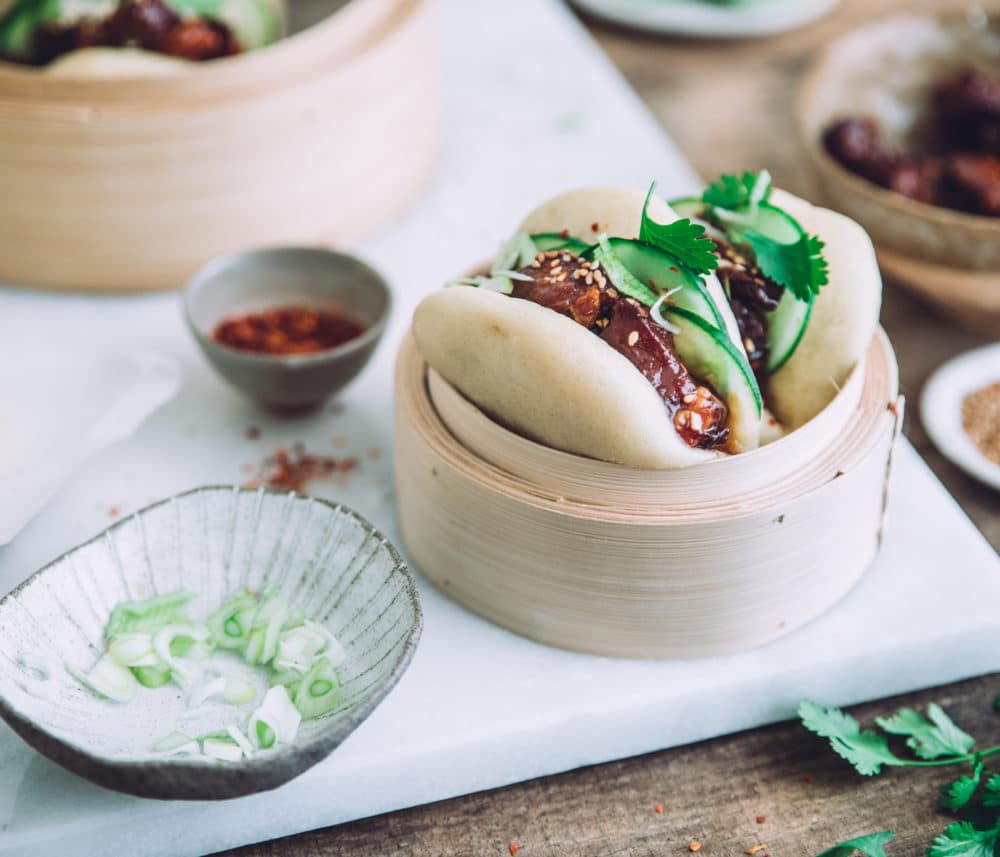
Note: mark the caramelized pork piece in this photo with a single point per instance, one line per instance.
(582, 291)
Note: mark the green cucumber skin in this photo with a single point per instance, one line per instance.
(786, 325)
(546, 241)
(661, 272)
(719, 364)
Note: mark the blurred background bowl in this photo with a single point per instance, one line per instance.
(887, 70)
(134, 184)
(288, 276)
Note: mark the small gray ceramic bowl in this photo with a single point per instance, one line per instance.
(283, 276)
(212, 541)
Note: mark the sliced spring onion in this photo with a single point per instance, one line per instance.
(133, 650)
(176, 743)
(152, 676)
(277, 714)
(232, 623)
(206, 690)
(224, 749)
(254, 652)
(299, 647)
(239, 691)
(334, 651)
(241, 740)
(163, 642)
(656, 313)
(107, 679)
(289, 679)
(319, 691)
(149, 615)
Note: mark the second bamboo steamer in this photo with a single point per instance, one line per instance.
(135, 184)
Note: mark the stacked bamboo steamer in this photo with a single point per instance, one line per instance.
(607, 559)
(134, 184)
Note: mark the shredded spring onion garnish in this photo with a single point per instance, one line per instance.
(656, 312)
(154, 642)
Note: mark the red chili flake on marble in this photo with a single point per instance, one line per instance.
(294, 469)
(761, 819)
(340, 442)
(659, 807)
(374, 453)
(252, 432)
(287, 330)
(114, 512)
(513, 848)
(810, 778)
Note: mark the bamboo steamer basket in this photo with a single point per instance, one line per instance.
(135, 184)
(606, 559)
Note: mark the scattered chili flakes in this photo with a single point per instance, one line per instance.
(595, 227)
(659, 807)
(513, 848)
(694, 846)
(114, 511)
(754, 849)
(252, 432)
(374, 453)
(810, 778)
(761, 819)
(340, 442)
(294, 469)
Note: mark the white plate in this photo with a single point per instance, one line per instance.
(941, 409)
(64, 407)
(704, 20)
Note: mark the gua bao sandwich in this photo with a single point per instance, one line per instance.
(659, 336)
(128, 37)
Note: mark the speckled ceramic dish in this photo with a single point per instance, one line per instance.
(282, 276)
(211, 541)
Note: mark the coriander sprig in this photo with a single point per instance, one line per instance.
(936, 741)
(685, 241)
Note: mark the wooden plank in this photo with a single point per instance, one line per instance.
(712, 792)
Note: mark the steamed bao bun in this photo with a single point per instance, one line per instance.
(509, 356)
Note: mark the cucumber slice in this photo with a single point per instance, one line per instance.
(661, 272)
(711, 357)
(546, 241)
(787, 324)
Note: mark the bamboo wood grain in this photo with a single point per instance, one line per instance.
(638, 563)
(317, 139)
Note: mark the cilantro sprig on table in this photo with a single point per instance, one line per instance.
(683, 240)
(733, 202)
(935, 740)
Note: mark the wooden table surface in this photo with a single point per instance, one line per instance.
(728, 107)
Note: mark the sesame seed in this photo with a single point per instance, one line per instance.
(566, 257)
(612, 292)
(749, 344)
(696, 421)
(683, 417)
(579, 272)
(689, 398)
(536, 264)
(633, 337)
(589, 279)
(561, 277)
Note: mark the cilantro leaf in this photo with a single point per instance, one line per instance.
(991, 791)
(682, 239)
(867, 751)
(929, 739)
(873, 844)
(961, 839)
(734, 192)
(799, 267)
(960, 792)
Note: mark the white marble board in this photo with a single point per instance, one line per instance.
(479, 707)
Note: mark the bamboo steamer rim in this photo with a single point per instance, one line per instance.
(350, 32)
(599, 496)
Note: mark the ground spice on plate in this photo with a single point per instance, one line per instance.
(981, 420)
(293, 469)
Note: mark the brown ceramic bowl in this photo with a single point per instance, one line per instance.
(887, 70)
(283, 276)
